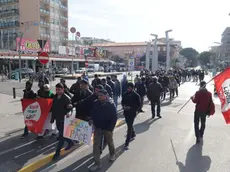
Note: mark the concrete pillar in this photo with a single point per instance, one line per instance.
(147, 56)
(34, 65)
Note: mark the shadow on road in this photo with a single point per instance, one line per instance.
(195, 161)
(83, 164)
(144, 126)
(16, 152)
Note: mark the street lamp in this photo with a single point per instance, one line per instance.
(167, 49)
(155, 57)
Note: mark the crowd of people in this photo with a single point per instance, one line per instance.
(97, 103)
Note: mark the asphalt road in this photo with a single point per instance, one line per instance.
(161, 145)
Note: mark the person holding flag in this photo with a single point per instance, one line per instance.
(204, 108)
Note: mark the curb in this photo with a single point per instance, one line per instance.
(44, 161)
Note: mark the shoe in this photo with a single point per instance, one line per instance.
(55, 157)
(112, 158)
(197, 141)
(95, 167)
(153, 117)
(142, 111)
(126, 147)
(159, 116)
(69, 147)
(39, 138)
(24, 135)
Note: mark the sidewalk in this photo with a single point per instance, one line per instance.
(11, 117)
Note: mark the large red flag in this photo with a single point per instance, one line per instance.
(35, 113)
(222, 84)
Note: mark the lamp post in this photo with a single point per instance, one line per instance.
(155, 57)
(167, 49)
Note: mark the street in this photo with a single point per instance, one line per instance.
(161, 145)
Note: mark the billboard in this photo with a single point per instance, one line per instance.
(31, 45)
(70, 50)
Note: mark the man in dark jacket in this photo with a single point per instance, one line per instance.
(104, 118)
(75, 88)
(66, 89)
(131, 104)
(202, 99)
(117, 89)
(60, 108)
(96, 81)
(110, 83)
(81, 111)
(28, 94)
(107, 87)
(153, 93)
(141, 90)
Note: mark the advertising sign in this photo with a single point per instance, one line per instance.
(31, 45)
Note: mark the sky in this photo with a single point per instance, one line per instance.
(196, 23)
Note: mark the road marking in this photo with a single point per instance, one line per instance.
(44, 161)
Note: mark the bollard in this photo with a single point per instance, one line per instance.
(14, 93)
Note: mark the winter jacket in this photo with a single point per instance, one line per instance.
(131, 99)
(154, 91)
(104, 115)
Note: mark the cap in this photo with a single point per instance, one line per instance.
(84, 81)
(103, 91)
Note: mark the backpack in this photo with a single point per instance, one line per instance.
(211, 107)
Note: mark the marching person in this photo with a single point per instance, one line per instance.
(117, 89)
(28, 94)
(131, 104)
(60, 108)
(140, 88)
(153, 93)
(104, 118)
(204, 103)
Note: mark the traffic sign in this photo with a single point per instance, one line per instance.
(72, 29)
(43, 58)
(86, 63)
(78, 34)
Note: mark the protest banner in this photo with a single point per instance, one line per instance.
(76, 129)
(35, 113)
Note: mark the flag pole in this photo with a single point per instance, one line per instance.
(201, 87)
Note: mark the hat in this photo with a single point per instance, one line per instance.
(29, 83)
(130, 84)
(47, 86)
(103, 91)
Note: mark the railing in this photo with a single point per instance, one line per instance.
(9, 24)
(63, 18)
(63, 7)
(44, 23)
(7, 13)
(44, 11)
(3, 2)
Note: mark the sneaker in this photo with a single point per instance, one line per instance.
(126, 147)
(24, 135)
(95, 167)
(55, 157)
(112, 158)
(68, 147)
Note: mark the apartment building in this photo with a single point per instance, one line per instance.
(224, 48)
(36, 19)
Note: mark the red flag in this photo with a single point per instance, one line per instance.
(222, 84)
(35, 113)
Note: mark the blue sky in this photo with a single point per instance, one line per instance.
(197, 23)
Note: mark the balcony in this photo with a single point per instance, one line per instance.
(63, 7)
(11, 24)
(45, 24)
(45, 35)
(45, 1)
(64, 29)
(44, 12)
(8, 2)
(64, 39)
(9, 13)
(63, 18)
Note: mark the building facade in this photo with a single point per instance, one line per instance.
(224, 48)
(35, 19)
(137, 50)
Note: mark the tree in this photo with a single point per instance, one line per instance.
(191, 55)
(205, 57)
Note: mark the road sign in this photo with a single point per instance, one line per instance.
(43, 58)
(72, 29)
(131, 62)
(86, 63)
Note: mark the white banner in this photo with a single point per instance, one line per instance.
(76, 129)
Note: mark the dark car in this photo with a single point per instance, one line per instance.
(25, 72)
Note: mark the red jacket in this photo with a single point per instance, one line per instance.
(202, 100)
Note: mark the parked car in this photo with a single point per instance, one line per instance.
(62, 71)
(25, 72)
